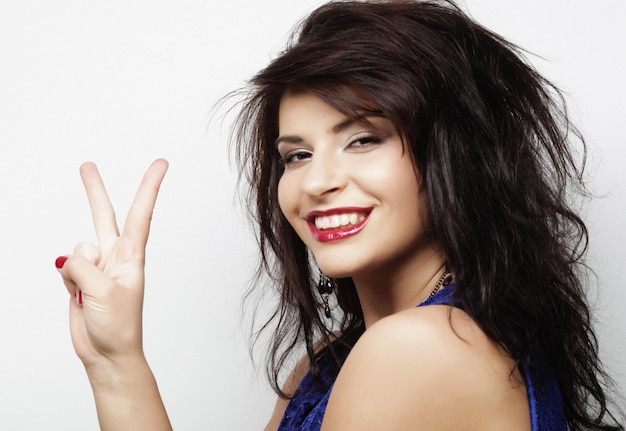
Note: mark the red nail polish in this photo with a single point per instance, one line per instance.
(80, 297)
(60, 261)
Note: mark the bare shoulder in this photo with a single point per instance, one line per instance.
(427, 368)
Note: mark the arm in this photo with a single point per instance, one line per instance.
(106, 283)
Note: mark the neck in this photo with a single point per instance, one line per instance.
(382, 293)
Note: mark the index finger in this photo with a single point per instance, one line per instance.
(102, 211)
(137, 225)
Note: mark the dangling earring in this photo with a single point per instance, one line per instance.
(325, 287)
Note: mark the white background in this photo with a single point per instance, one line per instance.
(124, 82)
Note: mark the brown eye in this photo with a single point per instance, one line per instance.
(365, 141)
(295, 156)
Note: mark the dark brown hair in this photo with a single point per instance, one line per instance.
(492, 142)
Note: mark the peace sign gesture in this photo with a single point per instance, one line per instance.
(107, 280)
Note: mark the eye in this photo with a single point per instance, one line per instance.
(365, 141)
(295, 156)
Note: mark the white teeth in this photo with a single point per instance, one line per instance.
(338, 220)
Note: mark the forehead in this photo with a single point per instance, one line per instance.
(349, 100)
(299, 108)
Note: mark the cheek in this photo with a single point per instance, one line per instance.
(285, 198)
(419, 201)
(289, 203)
(395, 177)
(421, 206)
(401, 185)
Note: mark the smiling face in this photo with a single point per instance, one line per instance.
(350, 190)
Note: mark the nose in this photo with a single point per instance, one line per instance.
(324, 174)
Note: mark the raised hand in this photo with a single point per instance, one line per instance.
(107, 281)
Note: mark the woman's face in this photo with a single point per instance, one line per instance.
(349, 188)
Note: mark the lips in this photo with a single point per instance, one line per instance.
(337, 224)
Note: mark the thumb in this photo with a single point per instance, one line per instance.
(81, 275)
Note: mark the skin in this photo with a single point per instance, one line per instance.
(106, 328)
(465, 380)
(332, 164)
(462, 379)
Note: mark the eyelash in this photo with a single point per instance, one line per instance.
(366, 141)
(299, 155)
(294, 157)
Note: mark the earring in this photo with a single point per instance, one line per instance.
(325, 286)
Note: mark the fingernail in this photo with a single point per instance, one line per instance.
(78, 296)
(60, 261)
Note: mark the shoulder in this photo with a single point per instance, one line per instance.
(433, 335)
(425, 368)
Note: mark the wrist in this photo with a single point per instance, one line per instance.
(126, 394)
(117, 373)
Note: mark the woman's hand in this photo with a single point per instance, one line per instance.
(107, 281)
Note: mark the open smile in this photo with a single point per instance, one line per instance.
(337, 224)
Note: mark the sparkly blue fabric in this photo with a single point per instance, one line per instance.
(305, 411)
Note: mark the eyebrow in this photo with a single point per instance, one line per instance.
(337, 128)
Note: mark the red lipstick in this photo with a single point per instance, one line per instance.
(335, 234)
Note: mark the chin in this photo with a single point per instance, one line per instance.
(337, 267)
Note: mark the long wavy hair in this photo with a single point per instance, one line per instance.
(494, 149)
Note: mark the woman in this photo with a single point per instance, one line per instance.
(424, 168)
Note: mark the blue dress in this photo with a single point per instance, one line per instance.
(305, 411)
